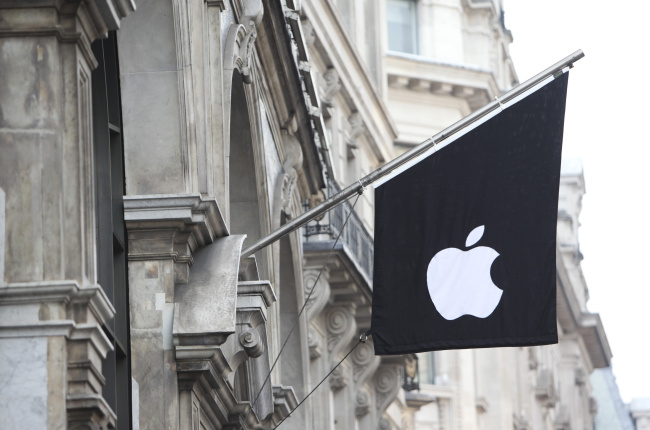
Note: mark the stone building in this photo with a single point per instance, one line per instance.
(142, 148)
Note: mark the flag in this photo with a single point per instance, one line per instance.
(465, 240)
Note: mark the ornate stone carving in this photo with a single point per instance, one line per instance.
(332, 86)
(241, 38)
(338, 379)
(386, 385)
(341, 326)
(313, 340)
(384, 424)
(362, 403)
(364, 362)
(319, 289)
(357, 127)
(288, 178)
(252, 343)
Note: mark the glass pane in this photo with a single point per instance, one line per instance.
(401, 25)
(427, 368)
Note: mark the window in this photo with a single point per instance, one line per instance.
(402, 25)
(109, 221)
(427, 367)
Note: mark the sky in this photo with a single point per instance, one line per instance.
(606, 126)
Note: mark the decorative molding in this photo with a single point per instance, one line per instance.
(53, 298)
(284, 401)
(241, 39)
(173, 227)
(74, 22)
(66, 309)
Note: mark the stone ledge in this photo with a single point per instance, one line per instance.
(200, 217)
(172, 226)
(64, 292)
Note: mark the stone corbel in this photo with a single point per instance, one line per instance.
(241, 38)
(341, 328)
(387, 384)
(317, 289)
(364, 362)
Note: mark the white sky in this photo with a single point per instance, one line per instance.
(606, 126)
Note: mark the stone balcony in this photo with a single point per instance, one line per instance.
(355, 241)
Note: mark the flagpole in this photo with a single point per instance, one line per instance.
(359, 186)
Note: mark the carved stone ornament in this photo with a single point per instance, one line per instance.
(384, 424)
(317, 299)
(362, 403)
(386, 386)
(341, 326)
(356, 129)
(364, 361)
(338, 380)
(241, 38)
(313, 340)
(332, 86)
(252, 343)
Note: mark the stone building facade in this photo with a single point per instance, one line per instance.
(144, 144)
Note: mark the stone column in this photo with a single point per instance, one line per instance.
(51, 341)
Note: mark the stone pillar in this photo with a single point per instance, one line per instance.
(51, 308)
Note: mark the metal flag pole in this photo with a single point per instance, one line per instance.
(359, 186)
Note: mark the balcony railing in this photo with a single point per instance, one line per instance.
(355, 236)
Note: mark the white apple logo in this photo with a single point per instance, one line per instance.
(459, 281)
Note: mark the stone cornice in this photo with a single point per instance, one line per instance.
(417, 73)
(201, 217)
(172, 227)
(66, 292)
(70, 21)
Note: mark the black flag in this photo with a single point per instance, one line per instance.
(465, 240)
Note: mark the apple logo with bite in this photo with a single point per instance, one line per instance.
(459, 281)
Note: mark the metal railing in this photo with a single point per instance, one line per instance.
(355, 236)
